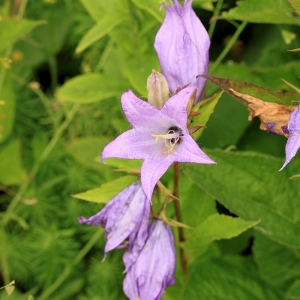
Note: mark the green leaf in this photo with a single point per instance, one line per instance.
(13, 29)
(87, 150)
(294, 291)
(247, 88)
(278, 264)
(295, 4)
(206, 108)
(11, 169)
(266, 11)
(138, 68)
(217, 227)
(89, 88)
(7, 106)
(99, 30)
(107, 191)
(152, 7)
(249, 185)
(94, 8)
(230, 277)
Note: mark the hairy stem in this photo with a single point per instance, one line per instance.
(181, 237)
(228, 46)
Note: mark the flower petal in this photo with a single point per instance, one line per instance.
(137, 111)
(176, 106)
(189, 151)
(132, 144)
(152, 170)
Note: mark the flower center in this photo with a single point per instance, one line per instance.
(171, 138)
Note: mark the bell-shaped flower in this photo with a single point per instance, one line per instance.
(182, 45)
(159, 137)
(293, 142)
(125, 217)
(154, 268)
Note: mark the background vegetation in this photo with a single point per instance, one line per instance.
(64, 65)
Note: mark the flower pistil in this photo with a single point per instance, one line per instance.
(174, 136)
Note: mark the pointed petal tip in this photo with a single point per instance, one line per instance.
(81, 220)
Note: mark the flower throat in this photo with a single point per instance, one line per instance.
(171, 138)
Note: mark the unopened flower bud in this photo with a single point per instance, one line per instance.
(158, 89)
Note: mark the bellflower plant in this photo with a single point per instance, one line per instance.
(159, 137)
(182, 45)
(126, 216)
(293, 142)
(154, 268)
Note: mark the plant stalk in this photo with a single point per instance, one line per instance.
(181, 237)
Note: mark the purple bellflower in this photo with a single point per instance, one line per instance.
(126, 216)
(182, 45)
(159, 137)
(154, 268)
(293, 142)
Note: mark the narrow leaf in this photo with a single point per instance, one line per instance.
(206, 108)
(11, 169)
(13, 29)
(89, 88)
(253, 90)
(217, 227)
(7, 106)
(107, 191)
(102, 27)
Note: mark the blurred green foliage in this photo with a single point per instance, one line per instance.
(63, 67)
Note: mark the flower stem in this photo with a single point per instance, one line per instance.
(214, 21)
(228, 46)
(183, 261)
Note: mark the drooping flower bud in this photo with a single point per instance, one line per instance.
(154, 268)
(182, 45)
(158, 89)
(126, 216)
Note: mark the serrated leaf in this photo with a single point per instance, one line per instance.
(7, 106)
(295, 4)
(89, 88)
(217, 227)
(100, 29)
(225, 278)
(206, 108)
(278, 264)
(107, 191)
(13, 29)
(258, 11)
(253, 90)
(249, 185)
(11, 169)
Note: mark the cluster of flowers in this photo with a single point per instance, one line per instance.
(159, 136)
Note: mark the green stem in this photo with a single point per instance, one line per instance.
(37, 164)
(68, 269)
(22, 9)
(181, 237)
(228, 46)
(214, 22)
(3, 258)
